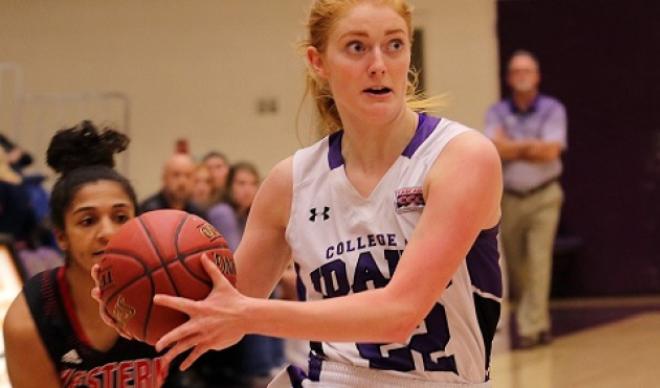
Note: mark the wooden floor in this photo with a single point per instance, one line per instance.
(622, 354)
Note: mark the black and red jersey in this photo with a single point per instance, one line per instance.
(126, 364)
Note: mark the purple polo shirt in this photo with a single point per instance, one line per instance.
(545, 120)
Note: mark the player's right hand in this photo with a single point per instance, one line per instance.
(96, 295)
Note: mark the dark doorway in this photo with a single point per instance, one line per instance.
(601, 58)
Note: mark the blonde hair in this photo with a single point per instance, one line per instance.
(322, 17)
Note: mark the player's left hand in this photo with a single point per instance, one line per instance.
(96, 295)
(215, 322)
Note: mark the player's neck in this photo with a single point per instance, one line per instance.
(373, 148)
(80, 285)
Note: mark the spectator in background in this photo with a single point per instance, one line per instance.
(18, 159)
(178, 182)
(203, 191)
(259, 355)
(17, 218)
(529, 131)
(229, 217)
(31, 187)
(218, 166)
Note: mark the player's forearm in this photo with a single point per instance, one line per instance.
(257, 274)
(336, 319)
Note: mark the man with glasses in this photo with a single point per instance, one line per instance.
(529, 131)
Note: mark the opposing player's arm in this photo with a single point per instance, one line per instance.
(263, 254)
(28, 363)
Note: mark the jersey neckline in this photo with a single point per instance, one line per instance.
(425, 126)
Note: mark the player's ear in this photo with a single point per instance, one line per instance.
(315, 61)
(62, 240)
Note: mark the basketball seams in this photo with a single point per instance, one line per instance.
(191, 273)
(154, 238)
(180, 256)
(135, 279)
(149, 306)
(200, 250)
(160, 256)
(147, 273)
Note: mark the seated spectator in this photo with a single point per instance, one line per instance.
(229, 217)
(18, 158)
(16, 216)
(176, 193)
(218, 166)
(203, 190)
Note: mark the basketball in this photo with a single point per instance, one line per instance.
(159, 252)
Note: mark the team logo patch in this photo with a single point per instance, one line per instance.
(409, 199)
(209, 231)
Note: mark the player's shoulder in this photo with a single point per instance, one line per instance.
(19, 329)
(281, 174)
(468, 148)
(272, 203)
(319, 157)
(472, 144)
(451, 137)
(24, 349)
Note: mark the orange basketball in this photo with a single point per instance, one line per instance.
(159, 253)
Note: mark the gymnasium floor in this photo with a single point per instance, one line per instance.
(601, 343)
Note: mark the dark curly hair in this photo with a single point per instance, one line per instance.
(83, 155)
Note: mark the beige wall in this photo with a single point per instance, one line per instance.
(196, 69)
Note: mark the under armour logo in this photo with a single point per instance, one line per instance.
(315, 213)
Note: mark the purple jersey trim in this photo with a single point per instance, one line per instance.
(483, 263)
(335, 158)
(315, 366)
(424, 129)
(301, 291)
(296, 376)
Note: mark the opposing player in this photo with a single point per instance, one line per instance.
(391, 221)
(53, 334)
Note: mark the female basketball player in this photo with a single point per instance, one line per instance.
(391, 221)
(53, 334)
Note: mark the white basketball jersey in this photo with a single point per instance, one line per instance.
(343, 243)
